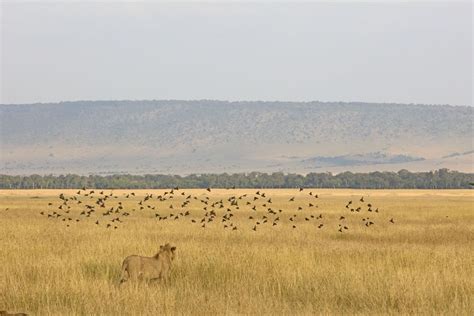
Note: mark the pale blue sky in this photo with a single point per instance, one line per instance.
(344, 51)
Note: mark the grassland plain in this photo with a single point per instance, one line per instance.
(422, 264)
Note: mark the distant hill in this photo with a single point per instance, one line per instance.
(183, 137)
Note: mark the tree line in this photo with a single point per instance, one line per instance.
(403, 179)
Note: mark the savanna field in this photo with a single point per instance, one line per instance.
(312, 252)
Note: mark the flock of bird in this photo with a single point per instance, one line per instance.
(108, 210)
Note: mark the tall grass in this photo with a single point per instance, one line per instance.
(422, 264)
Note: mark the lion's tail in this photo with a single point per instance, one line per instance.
(124, 275)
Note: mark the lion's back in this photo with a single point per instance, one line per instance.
(144, 266)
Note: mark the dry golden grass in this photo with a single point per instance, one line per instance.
(422, 264)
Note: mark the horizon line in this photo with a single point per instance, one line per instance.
(234, 101)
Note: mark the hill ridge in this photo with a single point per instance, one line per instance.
(186, 136)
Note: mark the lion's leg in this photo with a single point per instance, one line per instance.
(165, 276)
(133, 276)
(125, 274)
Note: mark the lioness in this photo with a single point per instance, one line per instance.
(149, 268)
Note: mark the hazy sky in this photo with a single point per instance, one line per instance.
(340, 51)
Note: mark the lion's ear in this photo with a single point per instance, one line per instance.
(173, 249)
